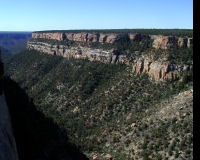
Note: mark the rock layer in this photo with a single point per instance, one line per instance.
(159, 70)
(159, 41)
(106, 56)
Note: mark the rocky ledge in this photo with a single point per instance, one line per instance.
(159, 41)
(106, 56)
(158, 70)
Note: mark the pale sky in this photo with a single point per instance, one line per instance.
(35, 15)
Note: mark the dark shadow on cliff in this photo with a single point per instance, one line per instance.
(37, 137)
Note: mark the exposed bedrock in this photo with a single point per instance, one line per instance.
(159, 41)
(159, 70)
(107, 56)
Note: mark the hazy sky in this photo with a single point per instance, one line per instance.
(34, 15)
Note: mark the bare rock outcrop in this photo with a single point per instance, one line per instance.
(182, 42)
(106, 56)
(165, 42)
(57, 36)
(189, 42)
(159, 41)
(159, 70)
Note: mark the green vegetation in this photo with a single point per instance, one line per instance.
(124, 45)
(174, 55)
(36, 136)
(96, 104)
(167, 32)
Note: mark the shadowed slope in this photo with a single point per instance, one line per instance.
(37, 137)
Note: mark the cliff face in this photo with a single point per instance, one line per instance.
(106, 56)
(83, 37)
(165, 42)
(159, 70)
(159, 41)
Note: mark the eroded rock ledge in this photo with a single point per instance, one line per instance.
(159, 41)
(158, 70)
(107, 56)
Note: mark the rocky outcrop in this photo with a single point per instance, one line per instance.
(57, 36)
(182, 42)
(189, 42)
(159, 41)
(83, 37)
(159, 70)
(106, 56)
(165, 42)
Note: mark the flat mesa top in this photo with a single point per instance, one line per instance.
(167, 32)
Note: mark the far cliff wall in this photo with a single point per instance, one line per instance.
(159, 41)
(158, 70)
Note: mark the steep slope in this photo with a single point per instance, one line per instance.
(7, 141)
(37, 136)
(106, 109)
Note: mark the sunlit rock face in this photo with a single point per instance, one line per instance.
(159, 41)
(107, 56)
(57, 36)
(159, 70)
(166, 42)
(182, 42)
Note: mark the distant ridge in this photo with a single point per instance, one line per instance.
(166, 32)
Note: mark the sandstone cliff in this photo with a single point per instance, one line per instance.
(107, 56)
(159, 70)
(159, 41)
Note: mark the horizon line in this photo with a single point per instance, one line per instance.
(99, 29)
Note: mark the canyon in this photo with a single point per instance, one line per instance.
(104, 108)
(158, 70)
